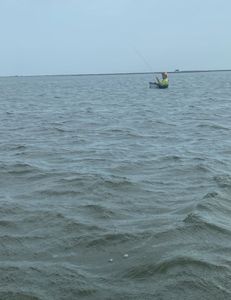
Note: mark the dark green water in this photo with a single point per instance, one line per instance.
(112, 190)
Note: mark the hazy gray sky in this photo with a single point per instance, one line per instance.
(107, 36)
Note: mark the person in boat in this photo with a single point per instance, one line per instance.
(162, 84)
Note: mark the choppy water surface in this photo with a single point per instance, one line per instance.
(112, 190)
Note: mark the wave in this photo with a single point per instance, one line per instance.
(7, 224)
(200, 223)
(199, 286)
(62, 280)
(96, 181)
(99, 211)
(144, 271)
(16, 295)
(213, 126)
(14, 147)
(19, 168)
(61, 130)
(212, 212)
(223, 180)
(112, 239)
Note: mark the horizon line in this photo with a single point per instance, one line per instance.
(122, 73)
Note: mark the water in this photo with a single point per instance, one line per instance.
(112, 190)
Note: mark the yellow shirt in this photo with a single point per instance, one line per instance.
(164, 82)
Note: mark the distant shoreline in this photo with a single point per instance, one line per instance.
(122, 73)
(154, 72)
(137, 73)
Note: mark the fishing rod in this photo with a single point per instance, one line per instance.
(148, 65)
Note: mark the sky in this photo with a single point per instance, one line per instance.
(113, 36)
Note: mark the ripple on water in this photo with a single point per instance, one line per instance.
(97, 167)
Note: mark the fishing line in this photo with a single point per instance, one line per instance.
(141, 56)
